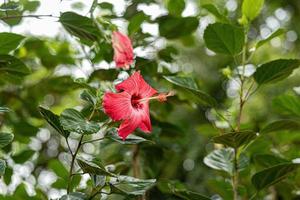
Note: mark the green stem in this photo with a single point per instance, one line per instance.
(235, 177)
(74, 156)
(23, 16)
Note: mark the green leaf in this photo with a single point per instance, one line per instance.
(275, 70)
(74, 121)
(74, 196)
(272, 175)
(131, 139)
(53, 120)
(9, 42)
(80, 26)
(93, 168)
(224, 38)
(12, 69)
(289, 104)
(23, 156)
(235, 139)
(222, 159)
(172, 27)
(190, 84)
(268, 160)
(5, 139)
(8, 175)
(275, 34)
(252, 8)
(215, 11)
(89, 96)
(136, 22)
(59, 169)
(180, 190)
(176, 7)
(279, 125)
(130, 186)
(11, 5)
(2, 167)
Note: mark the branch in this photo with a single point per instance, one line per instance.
(26, 16)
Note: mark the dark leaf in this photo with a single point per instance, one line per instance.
(176, 7)
(272, 175)
(5, 139)
(275, 70)
(131, 139)
(215, 11)
(74, 196)
(172, 27)
(235, 139)
(53, 120)
(288, 104)
(93, 168)
(283, 124)
(80, 26)
(72, 120)
(190, 84)
(224, 38)
(268, 160)
(9, 42)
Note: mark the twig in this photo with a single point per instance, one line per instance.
(28, 16)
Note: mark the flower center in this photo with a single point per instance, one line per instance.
(135, 102)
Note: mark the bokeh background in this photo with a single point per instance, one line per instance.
(182, 129)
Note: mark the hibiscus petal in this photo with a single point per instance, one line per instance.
(117, 105)
(146, 122)
(128, 126)
(136, 85)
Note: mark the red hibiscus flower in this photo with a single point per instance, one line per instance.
(131, 104)
(123, 51)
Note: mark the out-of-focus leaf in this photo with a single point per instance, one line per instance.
(235, 139)
(275, 70)
(2, 167)
(176, 7)
(172, 27)
(130, 186)
(136, 22)
(74, 121)
(12, 69)
(59, 169)
(31, 6)
(272, 175)
(167, 53)
(93, 168)
(190, 84)
(53, 120)
(9, 42)
(23, 156)
(252, 8)
(8, 175)
(74, 196)
(178, 189)
(215, 11)
(275, 34)
(106, 5)
(288, 104)
(5, 139)
(131, 139)
(224, 38)
(279, 125)
(268, 160)
(80, 26)
(222, 159)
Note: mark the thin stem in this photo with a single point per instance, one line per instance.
(95, 140)
(235, 177)
(23, 16)
(75, 154)
(69, 146)
(72, 164)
